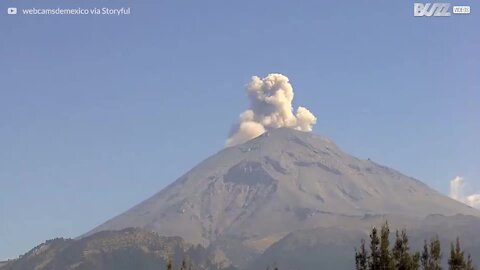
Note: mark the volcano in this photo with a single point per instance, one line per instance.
(248, 197)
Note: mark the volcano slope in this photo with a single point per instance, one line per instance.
(247, 197)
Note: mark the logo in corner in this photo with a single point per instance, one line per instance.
(431, 9)
(12, 11)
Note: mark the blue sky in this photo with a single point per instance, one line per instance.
(98, 113)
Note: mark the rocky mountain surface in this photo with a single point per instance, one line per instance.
(280, 187)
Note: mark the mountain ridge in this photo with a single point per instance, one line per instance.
(285, 180)
(130, 248)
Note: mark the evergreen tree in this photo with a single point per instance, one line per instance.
(415, 261)
(374, 261)
(386, 261)
(398, 249)
(431, 257)
(361, 257)
(469, 265)
(401, 256)
(425, 258)
(457, 260)
(435, 255)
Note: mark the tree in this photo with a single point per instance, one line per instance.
(361, 257)
(401, 253)
(415, 261)
(400, 257)
(469, 265)
(431, 257)
(374, 262)
(457, 259)
(386, 261)
(425, 258)
(399, 250)
(435, 255)
(169, 264)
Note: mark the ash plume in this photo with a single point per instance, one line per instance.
(270, 107)
(457, 186)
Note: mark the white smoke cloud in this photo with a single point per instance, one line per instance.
(270, 107)
(474, 200)
(457, 186)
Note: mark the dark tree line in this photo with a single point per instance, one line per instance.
(383, 256)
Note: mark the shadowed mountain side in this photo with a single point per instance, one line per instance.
(113, 250)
